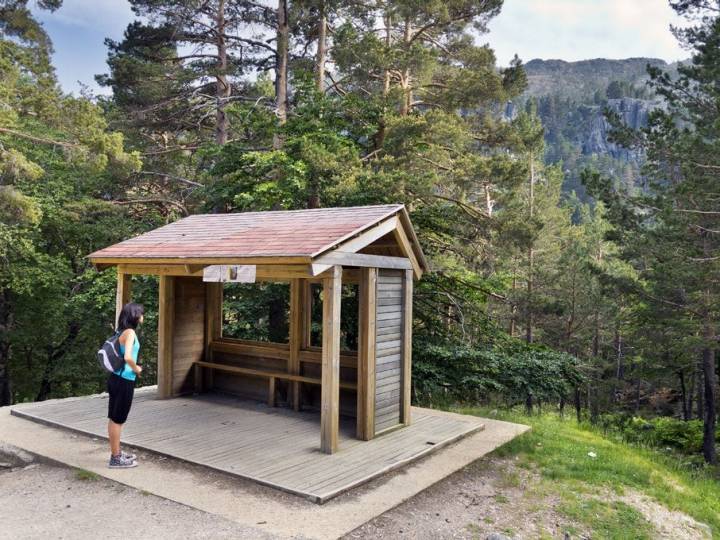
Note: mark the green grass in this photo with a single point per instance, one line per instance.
(85, 475)
(558, 449)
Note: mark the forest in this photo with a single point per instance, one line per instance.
(604, 304)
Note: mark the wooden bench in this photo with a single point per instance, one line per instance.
(271, 376)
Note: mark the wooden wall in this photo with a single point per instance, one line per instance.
(388, 349)
(188, 331)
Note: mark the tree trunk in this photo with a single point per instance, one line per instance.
(700, 382)
(578, 404)
(683, 393)
(281, 69)
(222, 88)
(531, 257)
(6, 323)
(406, 82)
(709, 422)
(321, 49)
(380, 135)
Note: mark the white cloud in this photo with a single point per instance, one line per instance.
(582, 29)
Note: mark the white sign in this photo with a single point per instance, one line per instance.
(232, 273)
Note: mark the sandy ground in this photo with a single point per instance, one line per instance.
(490, 498)
(43, 501)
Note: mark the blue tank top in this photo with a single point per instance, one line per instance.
(127, 372)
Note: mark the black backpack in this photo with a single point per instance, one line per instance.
(109, 356)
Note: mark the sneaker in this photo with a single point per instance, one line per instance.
(121, 462)
(131, 457)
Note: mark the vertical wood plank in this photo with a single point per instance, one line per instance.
(307, 314)
(296, 329)
(330, 388)
(166, 315)
(271, 391)
(407, 347)
(123, 293)
(213, 324)
(366, 354)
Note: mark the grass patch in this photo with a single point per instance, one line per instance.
(612, 520)
(85, 475)
(559, 449)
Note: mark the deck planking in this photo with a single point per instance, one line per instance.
(275, 447)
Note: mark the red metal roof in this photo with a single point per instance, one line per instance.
(284, 233)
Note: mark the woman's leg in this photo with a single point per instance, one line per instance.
(114, 431)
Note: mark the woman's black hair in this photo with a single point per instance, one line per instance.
(130, 316)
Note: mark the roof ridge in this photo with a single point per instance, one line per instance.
(299, 210)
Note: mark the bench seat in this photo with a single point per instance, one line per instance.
(271, 376)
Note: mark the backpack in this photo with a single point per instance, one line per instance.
(109, 356)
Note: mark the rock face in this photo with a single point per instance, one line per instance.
(634, 114)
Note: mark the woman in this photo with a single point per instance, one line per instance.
(121, 384)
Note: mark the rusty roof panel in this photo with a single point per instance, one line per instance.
(284, 233)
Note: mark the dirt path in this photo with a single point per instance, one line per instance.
(495, 499)
(41, 501)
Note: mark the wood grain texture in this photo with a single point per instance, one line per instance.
(188, 334)
(405, 409)
(122, 294)
(366, 355)
(296, 330)
(388, 348)
(166, 316)
(274, 447)
(330, 388)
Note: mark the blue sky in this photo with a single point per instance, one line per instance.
(562, 29)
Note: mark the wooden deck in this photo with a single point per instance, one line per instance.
(275, 447)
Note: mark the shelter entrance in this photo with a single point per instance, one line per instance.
(345, 354)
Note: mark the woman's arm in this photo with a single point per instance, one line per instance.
(129, 342)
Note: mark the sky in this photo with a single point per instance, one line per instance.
(548, 29)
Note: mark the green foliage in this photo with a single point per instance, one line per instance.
(509, 372)
(662, 432)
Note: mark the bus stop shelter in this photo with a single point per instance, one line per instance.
(372, 247)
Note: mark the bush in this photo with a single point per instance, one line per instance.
(515, 373)
(660, 432)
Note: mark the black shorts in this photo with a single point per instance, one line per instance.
(121, 395)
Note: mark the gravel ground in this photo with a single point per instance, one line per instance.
(42, 501)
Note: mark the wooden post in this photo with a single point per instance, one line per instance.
(330, 385)
(406, 359)
(166, 316)
(296, 328)
(124, 291)
(366, 354)
(213, 325)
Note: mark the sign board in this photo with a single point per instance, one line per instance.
(230, 273)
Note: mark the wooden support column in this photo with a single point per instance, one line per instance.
(366, 354)
(213, 326)
(330, 389)
(124, 291)
(296, 328)
(406, 359)
(166, 316)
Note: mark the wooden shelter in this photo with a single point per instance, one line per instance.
(374, 247)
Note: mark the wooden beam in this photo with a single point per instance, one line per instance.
(330, 387)
(358, 242)
(296, 324)
(166, 318)
(306, 314)
(123, 293)
(366, 355)
(406, 246)
(268, 272)
(213, 326)
(345, 258)
(406, 371)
